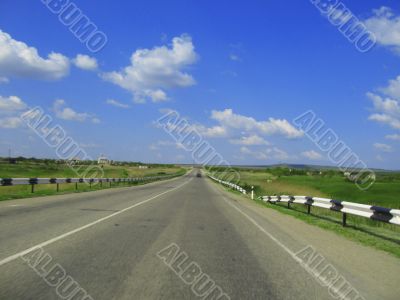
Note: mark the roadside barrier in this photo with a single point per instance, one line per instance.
(90, 181)
(376, 213)
(231, 185)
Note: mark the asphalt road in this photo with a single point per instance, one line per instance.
(108, 245)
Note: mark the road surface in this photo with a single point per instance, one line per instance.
(109, 242)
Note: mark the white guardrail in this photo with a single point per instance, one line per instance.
(90, 181)
(376, 213)
(231, 185)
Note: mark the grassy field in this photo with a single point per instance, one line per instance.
(29, 169)
(385, 192)
(382, 193)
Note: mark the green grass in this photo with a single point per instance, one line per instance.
(29, 169)
(379, 235)
(33, 170)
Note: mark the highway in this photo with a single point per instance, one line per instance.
(110, 243)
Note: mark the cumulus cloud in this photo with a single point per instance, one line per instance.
(386, 27)
(385, 119)
(383, 147)
(211, 132)
(4, 80)
(67, 113)
(117, 103)
(393, 88)
(19, 60)
(152, 71)
(252, 140)
(85, 62)
(386, 110)
(312, 155)
(228, 119)
(162, 144)
(234, 57)
(393, 137)
(385, 105)
(11, 104)
(266, 154)
(10, 108)
(11, 123)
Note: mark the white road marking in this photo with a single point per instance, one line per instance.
(278, 242)
(60, 237)
(16, 205)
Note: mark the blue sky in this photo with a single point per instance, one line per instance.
(239, 71)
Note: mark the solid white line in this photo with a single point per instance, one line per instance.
(48, 242)
(278, 242)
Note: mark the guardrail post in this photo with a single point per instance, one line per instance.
(76, 186)
(344, 220)
(32, 188)
(252, 192)
(101, 183)
(308, 208)
(58, 187)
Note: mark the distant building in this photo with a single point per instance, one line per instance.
(143, 167)
(74, 160)
(102, 160)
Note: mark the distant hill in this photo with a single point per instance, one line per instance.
(301, 167)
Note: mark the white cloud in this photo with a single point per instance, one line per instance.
(267, 154)
(117, 103)
(383, 147)
(393, 88)
(17, 59)
(153, 70)
(252, 140)
(11, 104)
(4, 80)
(386, 27)
(386, 110)
(211, 132)
(162, 144)
(312, 155)
(228, 119)
(394, 137)
(234, 57)
(96, 120)
(385, 119)
(85, 62)
(386, 106)
(11, 123)
(67, 113)
(11, 107)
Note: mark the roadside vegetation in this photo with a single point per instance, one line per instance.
(328, 183)
(47, 168)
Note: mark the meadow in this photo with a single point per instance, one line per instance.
(53, 169)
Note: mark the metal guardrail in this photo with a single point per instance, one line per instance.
(231, 185)
(376, 213)
(57, 181)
